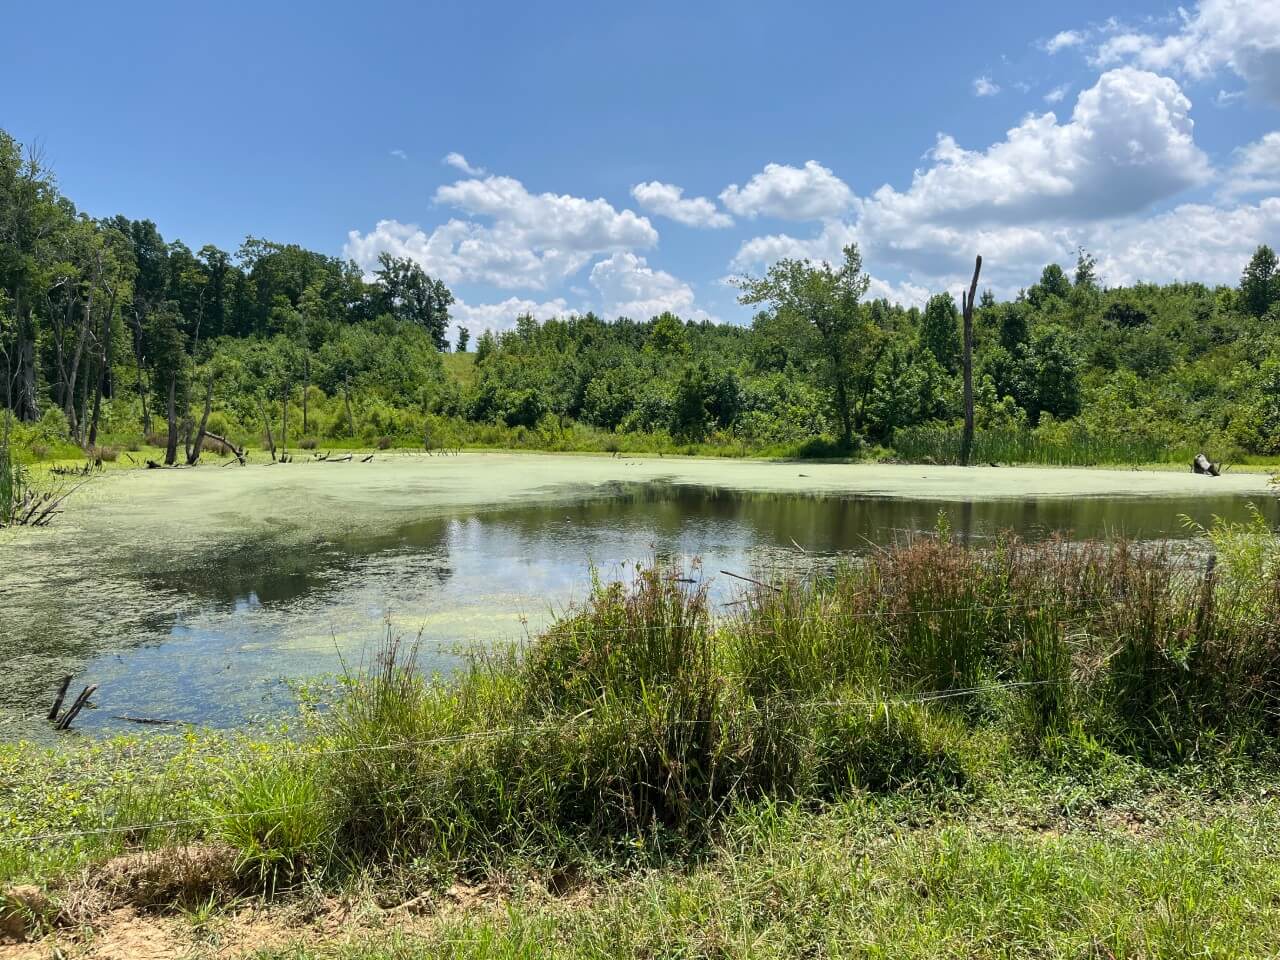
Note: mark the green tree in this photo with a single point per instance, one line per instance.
(1260, 282)
(408, 293)
(940, 331)
(1086, 270)
(464, 338)
(826, 298)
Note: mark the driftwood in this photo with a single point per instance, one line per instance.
(1203, 465)
(367, 459)
(345, 459)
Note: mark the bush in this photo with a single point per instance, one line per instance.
(307, 443)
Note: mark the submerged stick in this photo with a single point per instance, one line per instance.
(758, 583)
(152, 720)
(85, 694)
(57, 701)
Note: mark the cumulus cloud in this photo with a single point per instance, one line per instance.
(985, 87)
(1063, 40)
(1242, 36)
(629, 287)
(1256, 168)
(1128, 144)
(1191, 242)
(459, 162)
(668, 200)
(811, 192)
(502, 316)
(534, 240)
(758, 252)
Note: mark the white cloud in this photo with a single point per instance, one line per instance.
(549, 219)
(1058, 93)
(629, 287)
(1128, 144)
(811, 192)
(906, 293)
(668, 200)
(1240, 35)
(534, 240)
(502, 316)
(1063, 40)
(1191, 242)
(985, 87)
(1256, 168)
(760, 252)
(459, 162)
(399, 154)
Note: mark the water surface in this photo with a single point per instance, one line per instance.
(194, 596)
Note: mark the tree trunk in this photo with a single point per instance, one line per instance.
(195, 449)
(306, 388)
(171, 447)
(266, 420)
(284, 429)
(105, 353)
(27, 408)
(351, 420)
(81, 338)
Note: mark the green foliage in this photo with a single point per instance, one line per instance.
(284, 342)
(940, 331)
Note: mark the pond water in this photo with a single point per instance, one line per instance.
(194, 596)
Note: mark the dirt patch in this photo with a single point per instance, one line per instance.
(133, 933)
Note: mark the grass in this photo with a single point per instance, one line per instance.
(862, 881)
(1073, 446)
(1053, 749)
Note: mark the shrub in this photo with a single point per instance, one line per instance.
(307, 443)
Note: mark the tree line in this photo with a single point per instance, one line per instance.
(107, 329)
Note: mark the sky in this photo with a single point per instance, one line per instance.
(557, 158)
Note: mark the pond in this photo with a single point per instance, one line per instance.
(196, 595)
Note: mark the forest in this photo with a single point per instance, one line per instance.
(112, 337)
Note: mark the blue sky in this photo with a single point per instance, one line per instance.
(630, 159)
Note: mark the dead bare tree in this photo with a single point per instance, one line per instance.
(966, 301)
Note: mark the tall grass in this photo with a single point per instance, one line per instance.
(1075, 446)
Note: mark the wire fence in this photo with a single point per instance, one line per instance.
(537, 729)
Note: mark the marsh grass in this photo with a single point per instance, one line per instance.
(1072, 446)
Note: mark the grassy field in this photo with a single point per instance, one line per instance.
(1054, 750)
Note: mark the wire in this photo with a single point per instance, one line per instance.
(878, 702)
